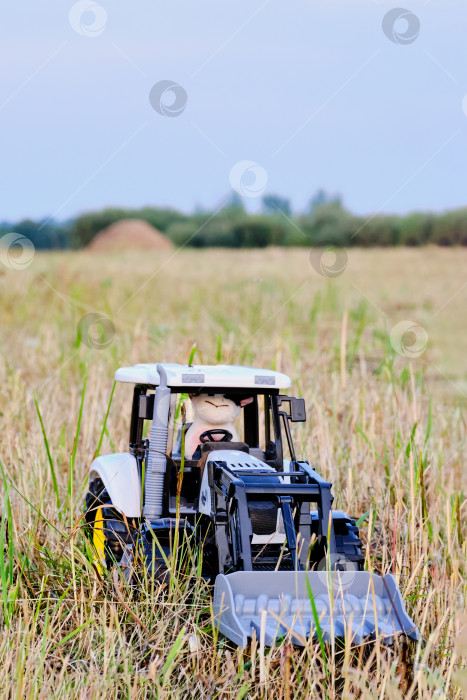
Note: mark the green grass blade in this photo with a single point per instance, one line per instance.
(428, 423)
(72, 634)
(49, 456)
(181, 637)
(105, 421)
(192, 354)
(219, 347)
(3, 566)
(39, 512)
(362, 518)
(319, 632)
(75, 443)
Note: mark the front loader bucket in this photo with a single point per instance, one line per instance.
(351, 605)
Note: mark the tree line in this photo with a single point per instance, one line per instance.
(326, 222)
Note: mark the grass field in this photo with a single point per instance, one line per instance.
(386, 424)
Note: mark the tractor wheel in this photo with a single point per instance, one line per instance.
(349, 555)
(348, 544)
(106, 527)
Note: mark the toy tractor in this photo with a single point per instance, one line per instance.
(282, 561)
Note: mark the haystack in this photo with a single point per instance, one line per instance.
(129, 234)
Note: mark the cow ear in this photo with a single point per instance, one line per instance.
(245, 402)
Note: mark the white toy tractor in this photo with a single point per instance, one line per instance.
(282, 561)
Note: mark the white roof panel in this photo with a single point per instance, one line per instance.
(205, 375)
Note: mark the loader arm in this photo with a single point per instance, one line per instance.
(234, 489)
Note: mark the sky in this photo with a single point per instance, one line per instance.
(271, 97)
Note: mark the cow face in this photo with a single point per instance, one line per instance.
(215, 409)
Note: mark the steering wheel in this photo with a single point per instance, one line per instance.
(207, 436)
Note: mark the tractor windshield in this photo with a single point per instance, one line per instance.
(251, 420)
(245, 421)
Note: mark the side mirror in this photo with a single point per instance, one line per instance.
(297, 411)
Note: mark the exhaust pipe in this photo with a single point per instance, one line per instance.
(156, 462)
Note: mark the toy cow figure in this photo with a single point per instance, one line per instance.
(214, 415)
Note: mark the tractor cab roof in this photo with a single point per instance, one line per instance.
(210, 376)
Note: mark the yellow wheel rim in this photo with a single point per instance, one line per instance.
(98, 540)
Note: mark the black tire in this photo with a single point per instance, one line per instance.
(116, 531)
(348, 544)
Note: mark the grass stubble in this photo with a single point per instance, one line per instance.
(387, 430)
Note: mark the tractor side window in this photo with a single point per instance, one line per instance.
(262, 422)
(286, 453)
(266, 429)
(239, 424)
(172, 432)
(146, 407)
(181, 413)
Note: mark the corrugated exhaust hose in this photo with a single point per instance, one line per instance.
(157, 453)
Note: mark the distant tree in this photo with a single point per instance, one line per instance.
(326, 223)
(234, 202)
(317, 200)
(161, 219)
(258, 232)
(450, 228)
(186, 233)
(274, 204)
(330, 224)
(204, 232)
(320, 198)
(376, 231)
(416, 229)
(45, 235)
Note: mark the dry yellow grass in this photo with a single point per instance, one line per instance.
(388, 431)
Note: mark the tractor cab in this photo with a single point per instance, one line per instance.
(261, 425)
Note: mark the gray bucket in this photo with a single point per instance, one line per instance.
(353, 605)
